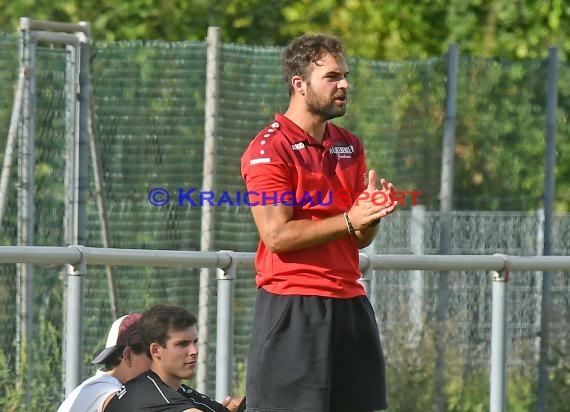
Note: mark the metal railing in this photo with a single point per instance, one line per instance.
(78, 258)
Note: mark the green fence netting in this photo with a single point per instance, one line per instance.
(149, 106)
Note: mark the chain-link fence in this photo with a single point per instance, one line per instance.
(149, 121)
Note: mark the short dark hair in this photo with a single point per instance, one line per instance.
(114, 359)
(161, 318)
(307, 49)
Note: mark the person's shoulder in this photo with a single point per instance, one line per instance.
(92, 391)
(339, 132)
(103, 379)
(142, 380)
(268, 147)
(147, 385)
(268, 136)
(129, 395)
(198, 398)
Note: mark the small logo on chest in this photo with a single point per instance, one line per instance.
(342, 152)
(298, 146)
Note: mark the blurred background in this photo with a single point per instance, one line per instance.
(148, 76)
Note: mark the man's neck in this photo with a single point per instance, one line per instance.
(118, 373)
(170, 380)
(308, 122)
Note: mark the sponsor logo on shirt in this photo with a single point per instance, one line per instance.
(298, 146)
(342, 152)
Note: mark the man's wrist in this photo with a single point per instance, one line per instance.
(348, 224)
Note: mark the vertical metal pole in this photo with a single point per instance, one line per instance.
(370, 274)
(11, 142)
(74, 329)
(102, 207)
(448, 151)
(367, 273)
(208, 180)
(417, 276)
(77, 220)
(76, 181)
(538, 277)
(549, 187)
(26, 207)
(225, 331)
(71, 146)
(499, 342)
(83, 135)
(446, 205)
(70, 210)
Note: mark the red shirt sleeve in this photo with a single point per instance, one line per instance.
(266, 174)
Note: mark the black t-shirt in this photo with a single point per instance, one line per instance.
(147, 392)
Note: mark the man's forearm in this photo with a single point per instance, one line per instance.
(303, 233)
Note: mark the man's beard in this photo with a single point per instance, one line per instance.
(324, 110)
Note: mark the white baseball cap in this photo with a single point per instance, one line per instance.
(124, 332)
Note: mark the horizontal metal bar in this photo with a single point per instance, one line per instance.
(30, 24)
(63, 38)
(41, 255)
(162, 258)
(59, 255)
(540, 263)
(242, 260)
(436, 262)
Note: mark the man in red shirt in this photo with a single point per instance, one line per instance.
(315, 344)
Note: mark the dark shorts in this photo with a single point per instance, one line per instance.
(309, 353)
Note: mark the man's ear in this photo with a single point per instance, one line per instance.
(154, 350)
(299, 85)
(128, 355)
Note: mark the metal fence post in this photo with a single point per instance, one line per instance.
(207, 235)
(445, 208)
(499, 338)
(74, 316)
(11, 141)
(416, 276)
(225, 330)
(26, 210)
(538, 275)
(549, 190)
(83, 132)
(366, 278)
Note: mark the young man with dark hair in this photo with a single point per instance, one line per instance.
(124, 357)
(170, 338)
(315, 344)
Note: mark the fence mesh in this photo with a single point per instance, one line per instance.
(149, 117)
(9, 59)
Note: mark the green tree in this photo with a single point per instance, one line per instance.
(387, 30)
(391, 30)
(241, 21)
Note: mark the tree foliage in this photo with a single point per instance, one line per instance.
(387, 30)
(242, 21)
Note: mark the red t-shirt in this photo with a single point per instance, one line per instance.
(283, 164)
